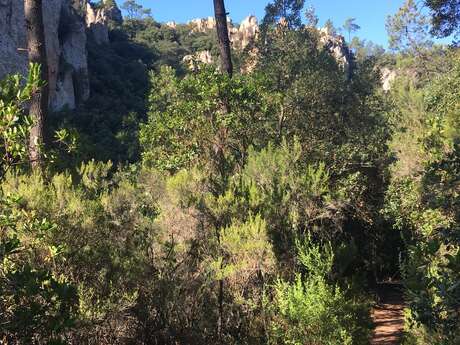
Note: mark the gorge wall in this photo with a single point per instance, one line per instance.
(68, 26)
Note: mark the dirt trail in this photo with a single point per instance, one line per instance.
(388, 316)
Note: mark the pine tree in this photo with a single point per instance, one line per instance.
(37, 55)
(288, 10)
(350, 26)
(445, 17)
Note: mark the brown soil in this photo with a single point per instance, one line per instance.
(388, 316)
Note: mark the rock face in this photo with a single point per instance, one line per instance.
(67, 57)
(99, 19)
(172, 25)
(338, 48)
(240, 36)
(13, 56)
(67, 24)
(387, 77)
(246, 33)
(203, 24)
(200, 57)
(96, 21)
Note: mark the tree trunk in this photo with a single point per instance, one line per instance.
(222, 35)
(37, 54)
(227, 67)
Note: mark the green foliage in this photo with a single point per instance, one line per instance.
(287, 10)
(424, 205)
(187, 116)
(106, 126)
(109, 223)
(408, 30)
(134, 11)
(248, 248)
(35, 303)
(365, 50)
(445, 16)
(311, 310)
(312, 18)
(291, 196)
(257, 201)
(350, 26)
(331, 29)
(170, 45)
(14, 123)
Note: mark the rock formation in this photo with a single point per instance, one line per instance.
(98, 20)
(338, 48)
(246, 33)
(13, 54)
(240, 36)
(200, 57)
(172, 24)
(202, 24)
(67, 23)
(388, 76)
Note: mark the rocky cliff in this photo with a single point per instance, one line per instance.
(245, 33)
(68, 26)
(240, 36)
(338, 48)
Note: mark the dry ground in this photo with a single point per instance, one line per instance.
(388, 316)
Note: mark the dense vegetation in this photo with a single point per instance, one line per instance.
(184, 206)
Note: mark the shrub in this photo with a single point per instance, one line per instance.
(311, 310)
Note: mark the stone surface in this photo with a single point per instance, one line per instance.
(202, 24)
(74, 65)
(338, 48)
(387, 77)
(112, 12)
(98, 20)
(192, 61)
(171, 24)
(13, 56)
(239, 36)
(67, 24)
(246, 33)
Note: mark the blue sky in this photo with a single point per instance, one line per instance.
(369, 14)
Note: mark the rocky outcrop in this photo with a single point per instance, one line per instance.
(13, 53)
(337, 46)
(192, 61)
(73, 66)
(98, 20)
(67, 24)
(172, 25)
(388, 76)
(246, 33)
(240, 36)
(202, 24)
(112, 12)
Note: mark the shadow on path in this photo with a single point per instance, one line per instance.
(388, 316)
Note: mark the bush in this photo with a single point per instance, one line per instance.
(311, 310)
